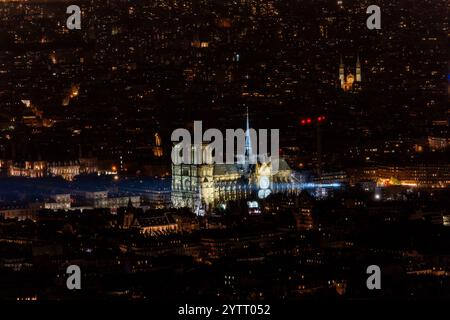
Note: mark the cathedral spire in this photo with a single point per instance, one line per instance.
(248, 140)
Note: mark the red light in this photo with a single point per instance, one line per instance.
(303, 121)
(308, 121)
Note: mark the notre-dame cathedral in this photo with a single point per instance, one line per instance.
(201, 187)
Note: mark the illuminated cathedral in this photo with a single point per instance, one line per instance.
(202, 187)
(349, 80)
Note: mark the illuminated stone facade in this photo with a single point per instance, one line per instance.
(210, 185)
(68, 170)
(348, 81)
(201, 187)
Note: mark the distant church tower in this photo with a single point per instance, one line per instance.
(358, 70)
(347, 81)
(342, 73)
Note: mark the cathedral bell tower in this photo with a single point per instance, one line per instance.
(342, 73)
(358, 70)
(347, 81)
